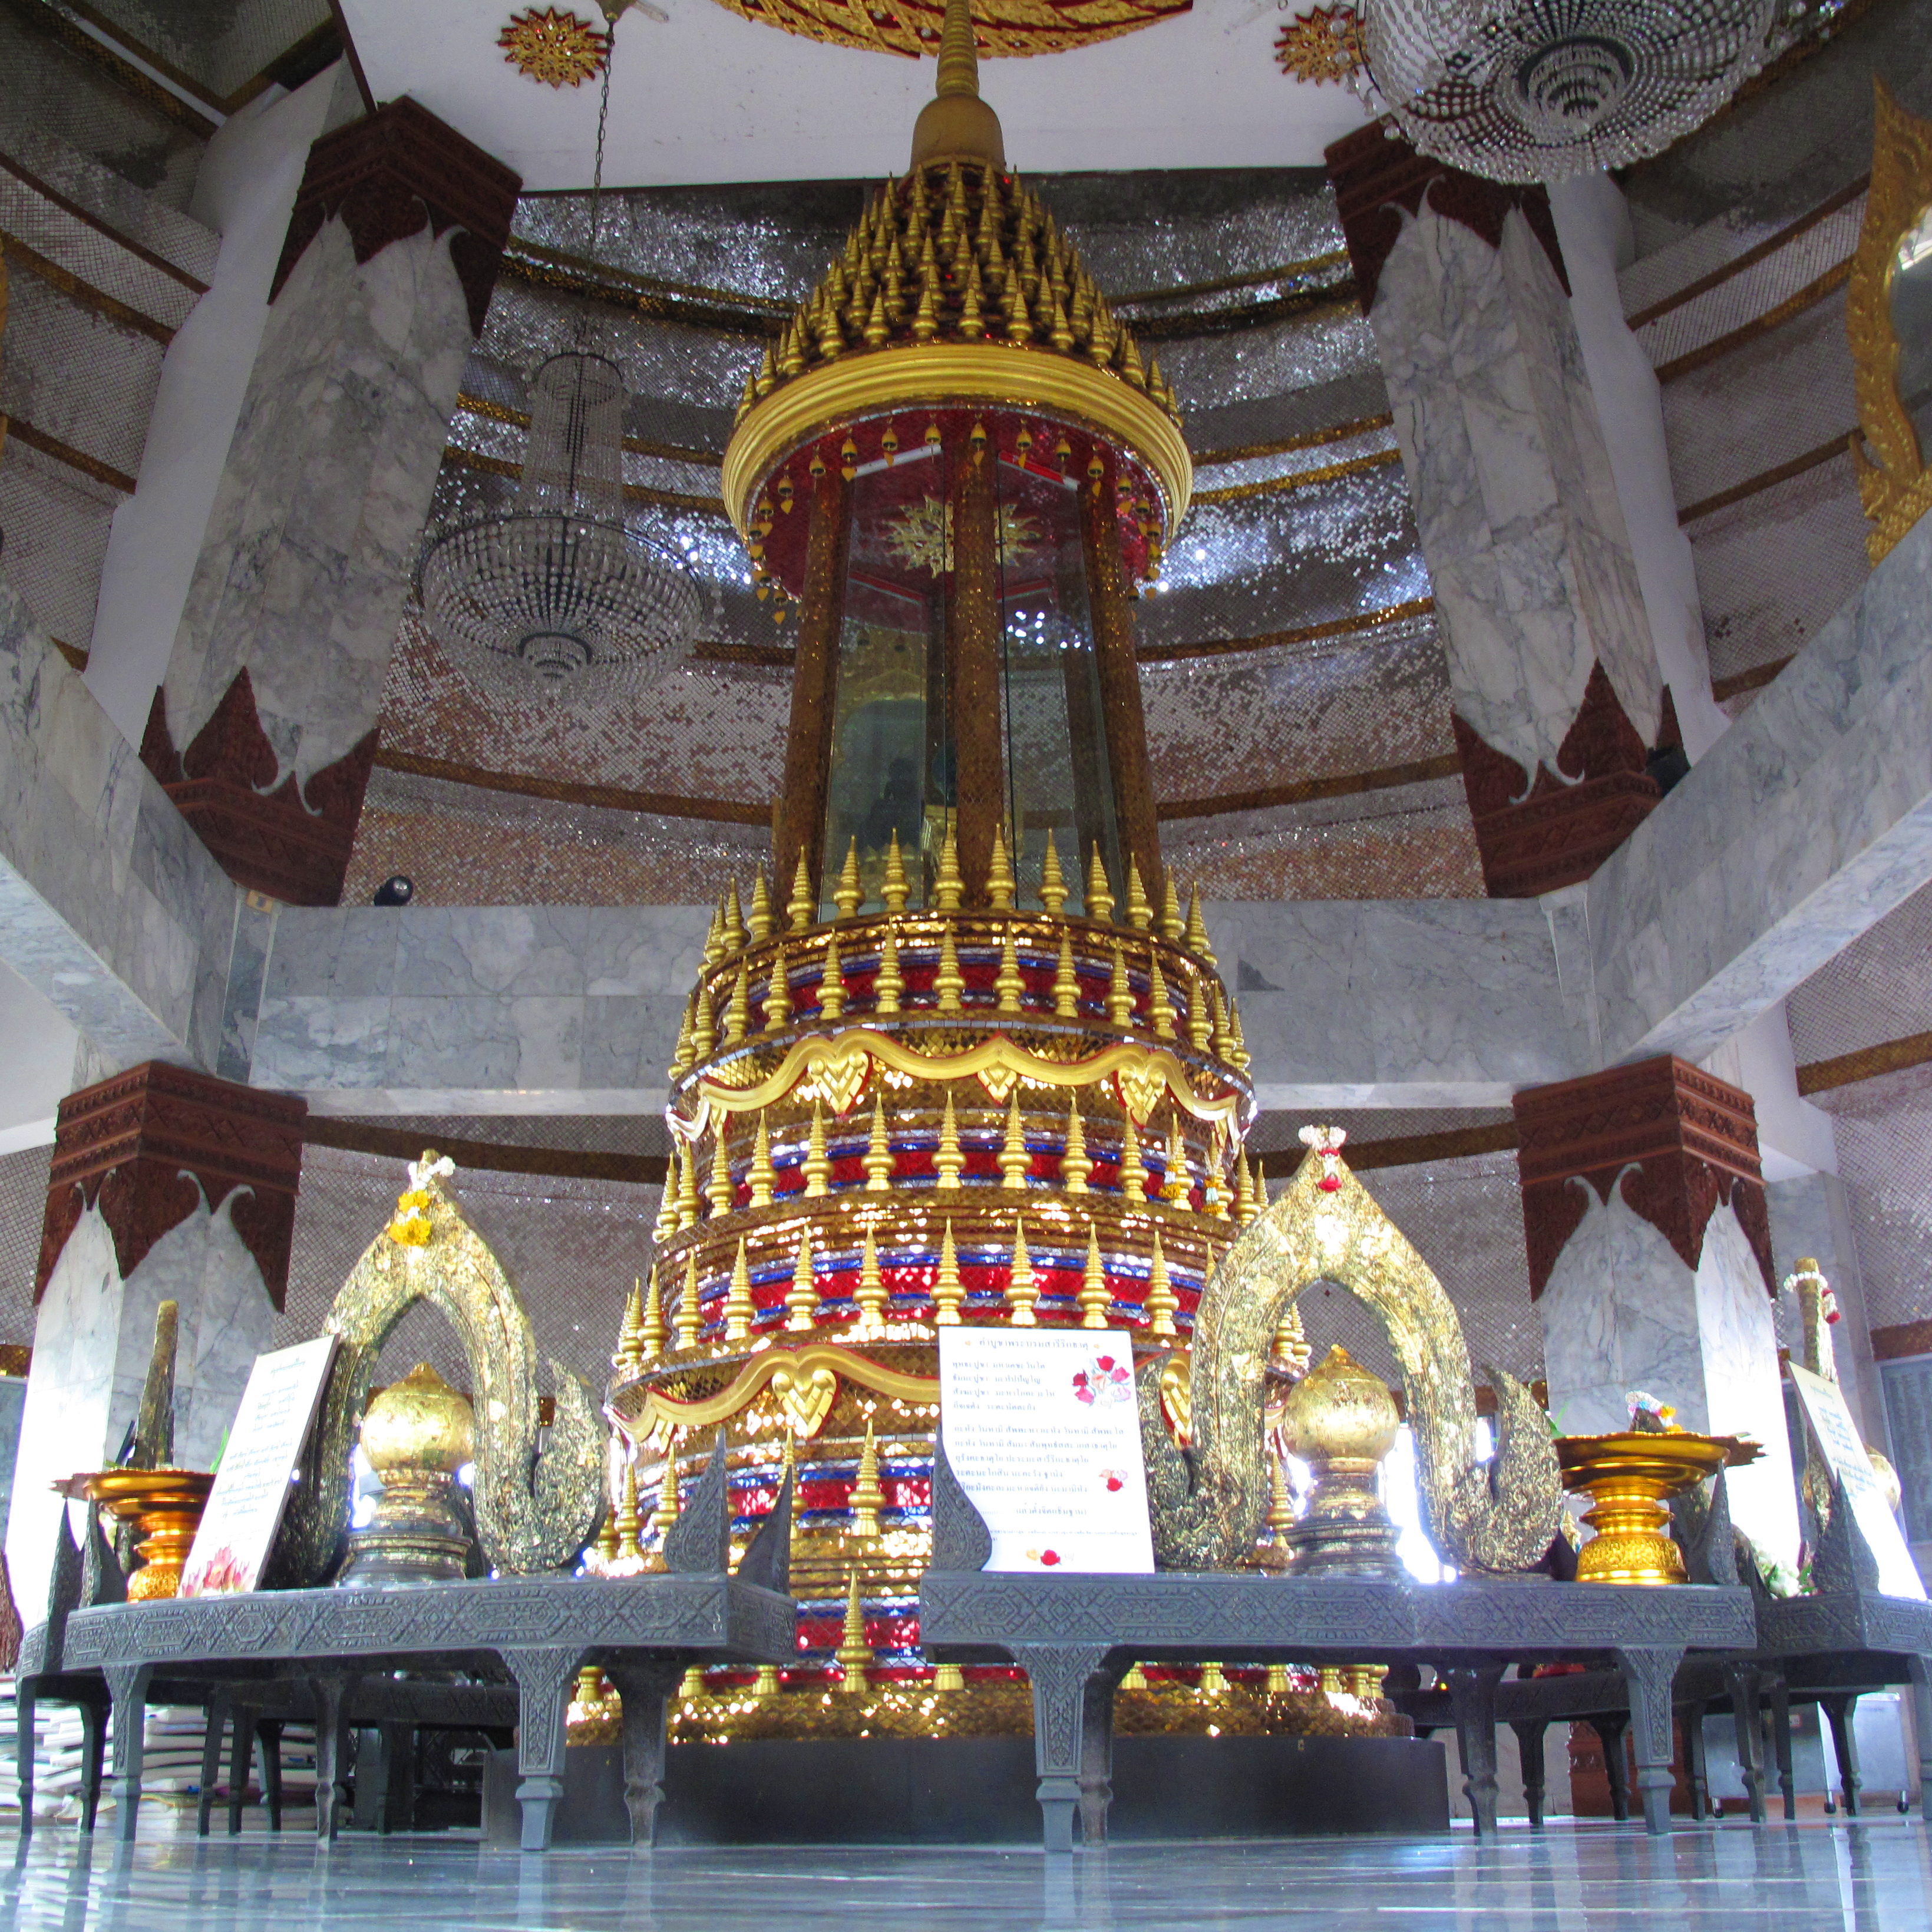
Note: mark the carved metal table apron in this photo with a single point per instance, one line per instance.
(645, 1631)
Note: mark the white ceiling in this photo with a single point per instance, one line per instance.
(707, 96)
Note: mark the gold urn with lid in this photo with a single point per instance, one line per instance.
(418, 1434)
(1342, 1421)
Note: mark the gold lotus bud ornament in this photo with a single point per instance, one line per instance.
(1342, 1421)
(418, 1434)
(410, 1226)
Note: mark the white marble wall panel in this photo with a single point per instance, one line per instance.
(92, 1342)
(1513, 496)
(1621, 1313)
(1806, 823)
(306, 563)
(109, 905)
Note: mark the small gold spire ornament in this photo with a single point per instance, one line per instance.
(1135, 1680)
(766, 1683)
(1161, 1304)
(668, 1508)
(1160, 1008)
(889, 988)
(878, 1163)
(802, 909)
(629, 1518)
(733, 932)
(947, 1290)
(681, 1054)
(762, 1178)
(1095, 1298)
(950, 1160)
(690, 1211)
(1140, 914)
(854, 1653)
(714, 938)
(1065, 981)
(652, 1333)
(947, 1678)
(1200, 1020)
(802, 1298)
(1052, 884)
(1014, 1160)
(818, 1165)
(724, 1194)
(1173, 927)
(1120, 992)
(848, 896)
(1213, 1681)
(630, 1330)
(1244, 1206)
(1177, 1185)
(948, 886)
(868, 1499)
(738, 1016)
(738, 1310)
(1008, 985)
(760, 924)
(778, 994)
(1075, 1166)
(832, 982)
(1099, 894)
(690, 1685)
(703, 1028)
(1224, 1040)
(872, 1296)
(1000, 883)
(1291, 1342)
(949, 982)
(1133, 1171)
(898, 887)
(1022, 1290)
(1239, 1053)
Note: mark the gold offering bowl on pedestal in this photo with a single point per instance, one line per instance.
(417, 1435)
(1629, 1478)
(165, 1506)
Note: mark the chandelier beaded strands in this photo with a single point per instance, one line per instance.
(1537, 90)
(557, 598)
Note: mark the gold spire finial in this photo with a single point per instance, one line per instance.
(763, 1178)
(948, 886)
(1095, 1297)
(1014, 1160)
(871, 1298)
(878, 1160)
(949, 982)
(778, 994)
(690, 1316)
(802, 1302)
(738, 1308)
(950, 1161)
(947, 1292)
(1052, 882)
(817, 1167)
(956, 124)
(889, 986)
(1075, 1166)
(868, 1499)
(1008, 985)
(1000, 884)
(803, 907)
(1161, 1302)
(651, 1334)
(896, 885)
(1022, 1290)
(629, 1517)
(1066, 981)
(848, 895)
(854, 1653)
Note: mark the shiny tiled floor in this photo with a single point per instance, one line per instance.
(1805, 1878)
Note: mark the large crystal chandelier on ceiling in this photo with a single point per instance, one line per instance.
(558, 598)
(1536, 90)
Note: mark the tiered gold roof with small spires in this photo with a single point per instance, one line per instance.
(960, 264)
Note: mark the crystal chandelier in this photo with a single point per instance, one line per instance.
(557, 597)
(1536, 90)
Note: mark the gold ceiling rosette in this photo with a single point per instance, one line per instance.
(1001, 27)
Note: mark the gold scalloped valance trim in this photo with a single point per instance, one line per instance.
(805, 1380)
(842, 1066)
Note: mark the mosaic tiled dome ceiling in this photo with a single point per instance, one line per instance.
(1001, 26)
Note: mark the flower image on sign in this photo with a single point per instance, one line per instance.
(1042, 1427)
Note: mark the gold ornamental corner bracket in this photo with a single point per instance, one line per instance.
(1896, 489)
(1002, 375)
(829, 1062)
(806, 1382)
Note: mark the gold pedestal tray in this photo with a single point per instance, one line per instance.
(165, 1506)
(1630, 1478)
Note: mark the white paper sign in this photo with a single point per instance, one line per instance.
(1042, 1430)
(1844, 1449)
(251, 1487)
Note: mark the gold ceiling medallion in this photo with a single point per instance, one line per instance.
(1891, 288)
(1000, 26)
(1323, 44)
(554, 45)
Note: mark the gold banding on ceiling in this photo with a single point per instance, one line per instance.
(1001, 27)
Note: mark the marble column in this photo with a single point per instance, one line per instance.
(264, 729)
(1650, 1262)
(165, 1185)
(1558, 705)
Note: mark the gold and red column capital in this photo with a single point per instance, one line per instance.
(1674, 1141)
(148, 1146)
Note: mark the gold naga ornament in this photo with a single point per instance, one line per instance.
(538, 1492)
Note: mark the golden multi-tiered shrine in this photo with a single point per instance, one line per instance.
(965, 1059)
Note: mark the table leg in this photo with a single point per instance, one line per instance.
(1611, 1728)
(1060, 1676)
(643, 1690)
(212, 1733)
(268, 1737)
(399, 1796)
(1777, 1715)
(1740, 1680)
(1919, 1668)
(1097, 1755)
(543, 1699)
(1840, 1710)
(127, 1693)
(1695, 1766)
(24, 1700)
(331, 1755)
(93, 1750)
(1650, 1676)
(241, 1760)
(1472, 1698)
(1529, 1732)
